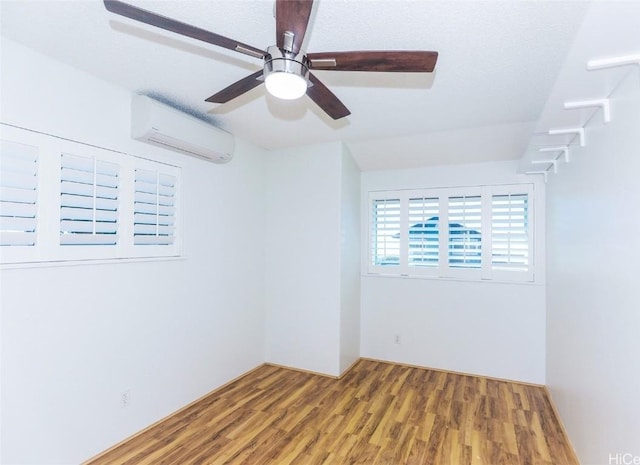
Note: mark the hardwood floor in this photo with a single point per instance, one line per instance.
(378, 413)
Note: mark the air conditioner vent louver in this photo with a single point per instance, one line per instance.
(166, 127)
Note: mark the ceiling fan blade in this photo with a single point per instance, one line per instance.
(148, 17)
(292, 16)
(237, 88)
(396, 61)
(326, 99)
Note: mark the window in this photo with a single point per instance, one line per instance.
(88, 201)
(475, 233)
(154, 208)
(386, 227)
(63, 201)
(510, 232)
(424, 237)
(18, 194)
(464, 249)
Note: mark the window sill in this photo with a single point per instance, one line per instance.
(451, 279)
(108, 261)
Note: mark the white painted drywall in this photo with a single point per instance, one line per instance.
(75, 337)
(349, 262)
(593, 317)
(492, 329)
(302, 285)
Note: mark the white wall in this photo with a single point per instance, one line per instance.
(593, 347)
(313, 258)
(75, 337)
(302, 285)
(349, 262)
(492, 329)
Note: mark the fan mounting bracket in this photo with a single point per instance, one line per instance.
(324, 62)
(247, 51)
(288, 41)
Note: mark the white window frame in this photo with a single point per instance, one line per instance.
(485, 272)
(48, 248)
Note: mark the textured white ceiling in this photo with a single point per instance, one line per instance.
(498, 62)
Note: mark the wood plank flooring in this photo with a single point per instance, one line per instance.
(378, 413)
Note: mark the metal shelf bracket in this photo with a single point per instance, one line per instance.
(603, 103)
(612, 62)
(562, 148)
(553, 162)
(578, 131)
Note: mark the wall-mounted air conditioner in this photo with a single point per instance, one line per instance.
(164, 126)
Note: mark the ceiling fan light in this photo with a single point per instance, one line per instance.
(286, 86)
(285, 73)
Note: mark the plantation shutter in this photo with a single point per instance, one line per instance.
(154, 208)
(510, 232)
(18, 194)
(465, 232)
(424, 232)
(88, 201)
(385, 232)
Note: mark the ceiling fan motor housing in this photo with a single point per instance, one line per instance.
(278, 60)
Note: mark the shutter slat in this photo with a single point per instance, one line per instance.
(71, 175)
(166, 210)
(146, 176)
(76, 201)
(11, 238)
(88, 239)
(144, 197)
(107, 180)
(147, 187)
(144, 218)
(81, 198)
(18, 195)
(25, 164)
(103, 192)
(166, 190)
(17, 224)
(19, 180)
(101, 227)
(77, 163)
(166, 200)
(146, 208)
(23, 210)
(106, 170)
(70, 213)
(167, 180)
(153, 240)
(146, 229)
(76, 188)
(166, 220)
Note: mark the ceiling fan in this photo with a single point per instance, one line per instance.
(286, 71)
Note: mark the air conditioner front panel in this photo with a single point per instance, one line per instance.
(166, 127)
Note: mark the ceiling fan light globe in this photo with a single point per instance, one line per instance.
(286, 86)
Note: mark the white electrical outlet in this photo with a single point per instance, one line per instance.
(397, 339)
(125, 398)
